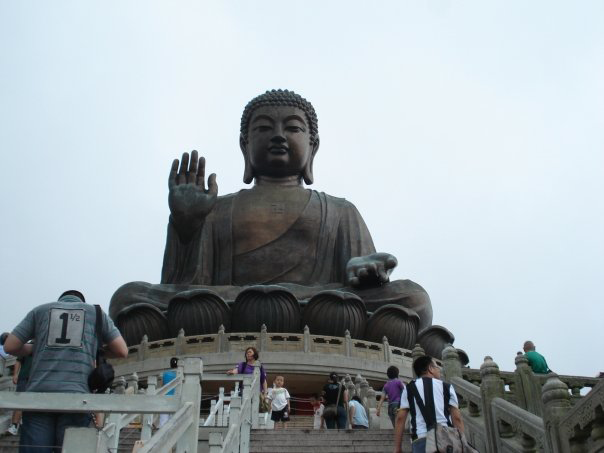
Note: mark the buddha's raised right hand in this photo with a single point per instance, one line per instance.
(189, 201)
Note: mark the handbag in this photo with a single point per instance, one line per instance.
(444, 439)
(101, 378)
(264, 405)
(331, 410)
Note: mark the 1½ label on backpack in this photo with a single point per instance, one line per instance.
(66, 327)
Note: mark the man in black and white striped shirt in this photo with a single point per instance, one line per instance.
(433, 393)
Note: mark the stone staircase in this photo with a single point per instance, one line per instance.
(324, 441)
(10, 443)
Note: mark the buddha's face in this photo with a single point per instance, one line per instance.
(278, 141)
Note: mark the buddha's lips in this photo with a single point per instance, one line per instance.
(278, 150)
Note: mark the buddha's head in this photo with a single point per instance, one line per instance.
(279, 136)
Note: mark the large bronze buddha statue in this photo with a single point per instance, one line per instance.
(277, 254)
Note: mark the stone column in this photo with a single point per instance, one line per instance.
(490, 388)
(146, 428)
(263, 338)
(143, 348)
(386, 347)
(191, 392)
(556, 403)
(306, 339)
(222, 340)
(179, 346)
(451, 363)
(528, 386)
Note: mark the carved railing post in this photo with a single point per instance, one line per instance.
(191, 393)
(143, 348)
(255, 398)
(597, 429)
(263, 338)
(371, 404)
(416, 353)
(364, 389)
(223, 342)
(306, 339)
(235, 414)
(451, 363)
(120, 385)
(528, 387)
(132, 381)
(146, 429)
(490, 388)
(347, 343)
(387, 352)
(556, 403)
(246, 416)
(349, 385)
(179, 347)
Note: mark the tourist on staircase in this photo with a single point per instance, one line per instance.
(63, 358)
(336, 399)
(280, 407)
(392, 393)
(318, 408)
(430, 401)
(357, 415)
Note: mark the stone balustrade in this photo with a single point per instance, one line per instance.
(267, 342)
(522, 411)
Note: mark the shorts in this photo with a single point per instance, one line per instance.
(280, 416)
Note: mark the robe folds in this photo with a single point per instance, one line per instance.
(313, 251)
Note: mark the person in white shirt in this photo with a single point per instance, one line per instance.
(357, 415)
(444, 414)
(318, 407)
(279, 398)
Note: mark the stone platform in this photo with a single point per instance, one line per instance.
(304, 359)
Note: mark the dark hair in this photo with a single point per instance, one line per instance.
(392, 372)
(422, 364)
(356, 398)
(73, 292)
(333, 376)
(253, 349)
(174, 362)
(281, 98)
(315, 396)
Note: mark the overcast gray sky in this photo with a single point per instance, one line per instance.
(468, 135)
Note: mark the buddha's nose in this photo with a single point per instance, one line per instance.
(278, 137)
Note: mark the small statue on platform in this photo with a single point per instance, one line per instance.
(277, 254)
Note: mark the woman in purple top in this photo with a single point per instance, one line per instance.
(247, 367)
(392, 392)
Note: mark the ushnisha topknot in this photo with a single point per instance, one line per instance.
(279, 98)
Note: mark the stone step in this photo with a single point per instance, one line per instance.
(323, 441)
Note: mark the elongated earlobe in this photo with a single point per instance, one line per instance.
(248, 171)
(307, 173)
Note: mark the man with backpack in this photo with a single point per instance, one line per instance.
(430, 401)
(64, 354)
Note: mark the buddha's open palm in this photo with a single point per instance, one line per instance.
(189, 200)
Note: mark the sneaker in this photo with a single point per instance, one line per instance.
(13, 429)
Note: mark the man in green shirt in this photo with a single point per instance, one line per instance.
(535, 360)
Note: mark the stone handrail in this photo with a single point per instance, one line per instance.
(583, 424)
(243, 415)
(517, 421)
(264, 341)
(543, 415)
(181, 431)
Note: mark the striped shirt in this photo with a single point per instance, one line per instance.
(65, 344)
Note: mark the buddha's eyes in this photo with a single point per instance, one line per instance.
(263, 128)
(293, 128)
